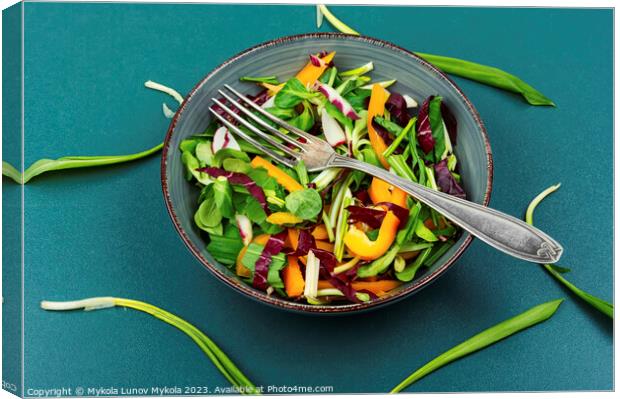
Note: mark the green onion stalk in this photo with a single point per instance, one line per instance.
(484, 74)
(531, 317)
(556, 271)
(213, 352)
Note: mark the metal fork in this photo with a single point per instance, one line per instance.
(501, 231)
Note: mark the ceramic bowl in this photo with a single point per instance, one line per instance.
(284, 57)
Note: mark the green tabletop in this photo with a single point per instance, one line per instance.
(106, 231)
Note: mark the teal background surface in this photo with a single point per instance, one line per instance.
(106, 232)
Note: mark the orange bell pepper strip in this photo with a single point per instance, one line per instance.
(281, 177)
(307, 75)
(380, 191)
(320, 232)
(379, 287)
(294, 283)
(325, 246)
(293, 238)
(310, 73)
(242, 270)
(376, 107)
(360, 245)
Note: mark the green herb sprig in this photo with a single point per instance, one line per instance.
(531, 317)
(487, 75)
(599, 304)
(213, 352)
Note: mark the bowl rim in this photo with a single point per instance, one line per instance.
(279, 303)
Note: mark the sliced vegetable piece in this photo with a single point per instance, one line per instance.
(320, 232)
(312, 276)
(376, 107)
(241, 270)
(245, 228)
(381, 191)
(334, 134)
(294, 283)
(261, 268)
(310, 73)
(360, 245)
(281, 218)
(281, 177)
(338, 101)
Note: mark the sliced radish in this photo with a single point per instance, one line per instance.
(269, 103)
(245, 228)
(223, 139)
(316, 61)
(335, 98)
(409, 101)
(332, 130)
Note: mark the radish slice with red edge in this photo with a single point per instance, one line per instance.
(223, 139)
(332, 130)
(245, 228)
(335, 98)
(316, 61)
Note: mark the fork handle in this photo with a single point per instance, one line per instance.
(502, 231)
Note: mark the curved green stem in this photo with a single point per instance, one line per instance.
(9, 171)
(487, 75)
(213, 352)
(487, 337)
(602, 306)
(73, 162)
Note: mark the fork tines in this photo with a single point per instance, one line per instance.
(247, 109)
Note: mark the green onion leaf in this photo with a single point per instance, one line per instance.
(466, 69)
(73, 162)
(399, 138)
(531, 317)
(9, 171)
(273, 80)
(602, 306)
(213, 352)
(338, 24)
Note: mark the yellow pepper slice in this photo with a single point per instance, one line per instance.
(361, 246)
(283, 218)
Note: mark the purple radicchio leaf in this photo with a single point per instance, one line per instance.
(305, 242)
(374, 217)
(397, 106)
(423, 127)
(261, 268)
(260, 98)
(401, 213)
(446, 182)
(450, 121)
(370, 216)
(385, 136)
(240, 179)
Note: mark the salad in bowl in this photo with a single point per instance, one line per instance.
(338, 236)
